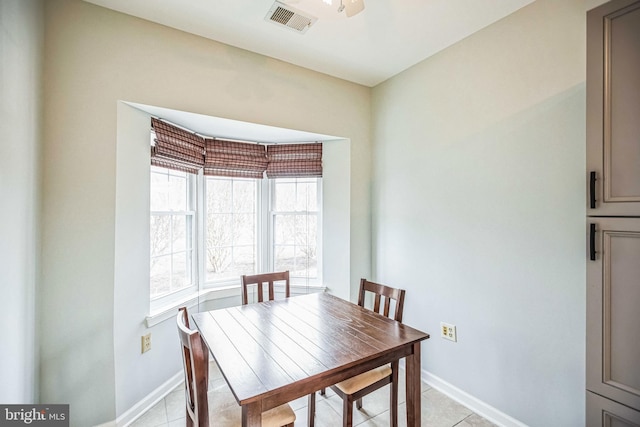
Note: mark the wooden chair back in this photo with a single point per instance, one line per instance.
(354, 389)
(195, 357)
(260, 280)
(382, 297)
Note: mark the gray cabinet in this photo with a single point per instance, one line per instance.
(605, 412)
(613, 109)
(613, 310)
(613, 223)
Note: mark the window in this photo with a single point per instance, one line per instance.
(240, 226)
(295, 227)
(172, 227)
(230, 228)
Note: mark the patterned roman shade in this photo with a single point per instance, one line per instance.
(176, 148)
(179, 149)
(234, 159)
(294, 160)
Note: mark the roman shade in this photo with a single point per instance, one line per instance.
(294, 160)
(176, 148)
(234, 159)
(180, 149)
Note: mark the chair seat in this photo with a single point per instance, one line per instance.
(357, 383)
(231, 415)
(279, 416)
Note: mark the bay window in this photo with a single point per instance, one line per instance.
(215, 216)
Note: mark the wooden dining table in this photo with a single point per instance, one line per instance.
(273, 352)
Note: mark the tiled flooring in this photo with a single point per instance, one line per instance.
(437, 409)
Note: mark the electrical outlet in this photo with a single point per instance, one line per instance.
(146, 342)
(448, 331)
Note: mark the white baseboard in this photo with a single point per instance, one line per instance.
(147, 403)
(476, 405)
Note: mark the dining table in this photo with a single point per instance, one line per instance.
(274, 352)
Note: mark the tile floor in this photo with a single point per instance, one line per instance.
(437, 409)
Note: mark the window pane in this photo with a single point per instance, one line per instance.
(218, 195)
(244, 196)
(160, 275)
(158, 199)
(306, 263)
(179, 233)
(169, 190)
(177, 190)
(219, 230)
(306, 197)
(285, 196)
(302, 229)
(244, 229)
(295, 235)
(283, 258)
(231, 228)
(218, 261)
(160, 235)
(284, 229)
(301, 261)
(171, 248)
(244, 260)
(181, 276)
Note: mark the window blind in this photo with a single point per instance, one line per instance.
(294, 160)
(179, 149)
(234, 159)
(176, 148)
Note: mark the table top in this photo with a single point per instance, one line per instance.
(287, 348)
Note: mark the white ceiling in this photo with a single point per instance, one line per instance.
(388, 37)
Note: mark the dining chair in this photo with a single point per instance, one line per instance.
(195, 357)
(259, 280)
(388, 302)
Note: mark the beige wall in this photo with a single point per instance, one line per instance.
(479, 172)
(93, 59)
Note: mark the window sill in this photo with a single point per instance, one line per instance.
(190, 301)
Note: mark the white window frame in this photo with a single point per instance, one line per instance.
(270, 217)
(161, 307)
(264, 235)
(173, 297)
(202, 249)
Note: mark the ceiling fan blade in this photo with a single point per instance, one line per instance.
(353, 7)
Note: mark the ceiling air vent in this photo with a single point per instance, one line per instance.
(287, 16)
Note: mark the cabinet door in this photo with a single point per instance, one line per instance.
(613, 309)
(603, 412)
(613, 109)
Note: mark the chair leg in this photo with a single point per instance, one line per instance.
(311, 410)
(322, 391)
(347, 412)
(359, 404)
(393, 408)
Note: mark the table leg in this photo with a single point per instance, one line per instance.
(252, 415)
(311, 410)
(413, 387)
